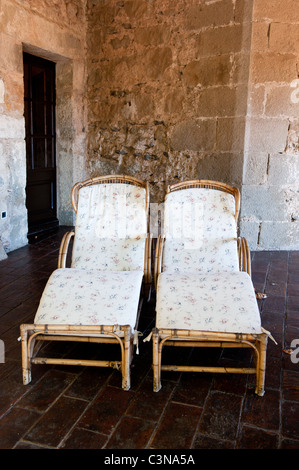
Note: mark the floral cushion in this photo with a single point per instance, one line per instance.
(111, 227)
(223, 302)
(200, 231)
(90, 297)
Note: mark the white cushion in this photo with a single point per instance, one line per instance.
(90, 297)
(200, 231)
(109, 254)
(110, 228)
(223, 302)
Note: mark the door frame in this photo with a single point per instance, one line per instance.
(71, 126)
(40, 228)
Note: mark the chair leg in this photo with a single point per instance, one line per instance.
(261, 366)
(156, 362)
(26, 363)
(126, 360)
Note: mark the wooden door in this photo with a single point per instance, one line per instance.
(39, 105)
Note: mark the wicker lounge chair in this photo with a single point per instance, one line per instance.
(98, 298)
(205, 296)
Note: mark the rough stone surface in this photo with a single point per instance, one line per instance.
(165, 91)
(269, 214)
(3, 254)
(278, 235)
(54, 30)
(165, 88)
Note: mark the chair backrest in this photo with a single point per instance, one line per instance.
(111, 223)
(200, 228)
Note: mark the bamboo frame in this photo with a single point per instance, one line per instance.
(244, 255)
(30, 333)
(193, 338)
(64, 247)
(33, 335)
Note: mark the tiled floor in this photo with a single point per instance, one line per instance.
(85, 408)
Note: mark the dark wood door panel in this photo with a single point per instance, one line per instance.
(39, 112)
(41, 197)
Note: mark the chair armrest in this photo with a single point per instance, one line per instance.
(244, 255)
(63, 250)
(158, 258)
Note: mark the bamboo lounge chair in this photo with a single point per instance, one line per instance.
(98, 298)
(205, 296)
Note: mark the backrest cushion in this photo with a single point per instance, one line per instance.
(200, 231)
(111, 227)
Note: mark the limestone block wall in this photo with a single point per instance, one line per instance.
(12, 146)
(54, 30)
(167, 89)
(162, 90)
(200, 89)
(270, 190)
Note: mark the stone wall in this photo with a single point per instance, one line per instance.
(200, 89)
(270, 190)
(167, 89)
(162, 90)
(54, 30)
(13, 228)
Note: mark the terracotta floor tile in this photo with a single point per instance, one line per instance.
(106, 410)
(207, 442)
(291, 333)
(290, 384)
(276, 288)
(292, 302)
(263, 411)
(224, 383)
(272, 322)
(11, 389)
(293, 276)
(274, 304)
(288, 363)
(293, 289)
(177, 427)
(88, 383)
(85, 408)
(292, 320)
(193, 388)
(83, 439)
(56, 422)
(289, 444)
(148, 404)
(273, 369)
(252, 438)
(290, 422)
(28, 445)
(14, 425)
(46, 391)
(131, 433)
(220, 416)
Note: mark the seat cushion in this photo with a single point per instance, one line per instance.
(90, 297)
(222, 302)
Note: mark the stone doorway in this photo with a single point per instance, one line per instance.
(39, 112)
